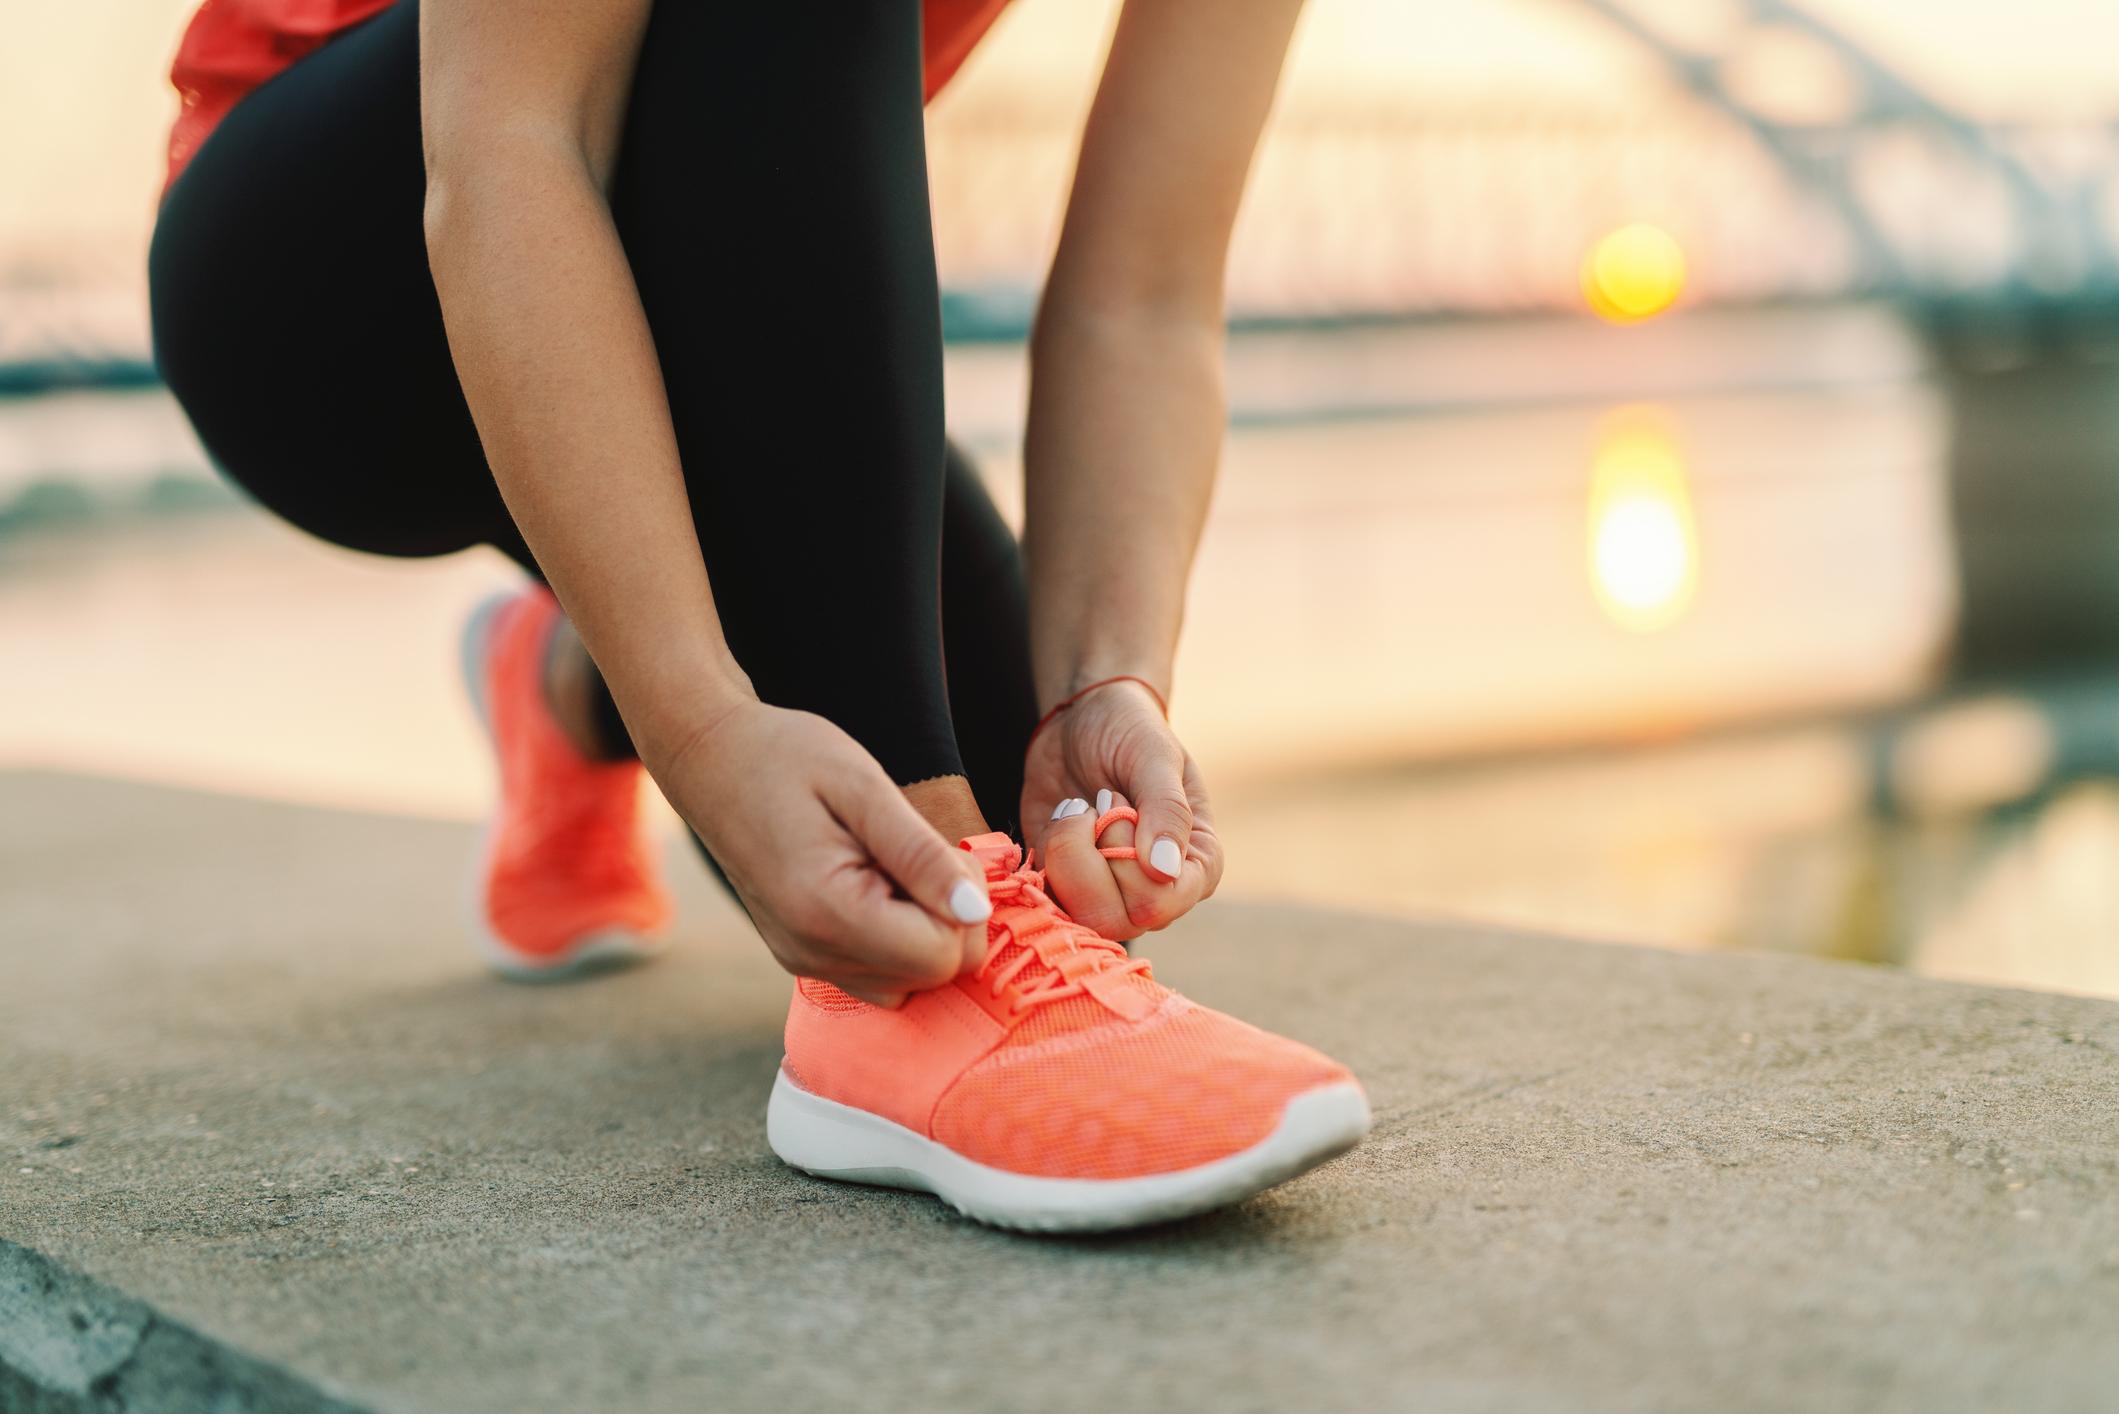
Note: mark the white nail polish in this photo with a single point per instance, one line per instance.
(1103, 801)
(1165, 857)
(969, 902)
(1059, 811)
(1077, 806)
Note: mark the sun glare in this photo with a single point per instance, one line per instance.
(1643, 548)
(1633, 273)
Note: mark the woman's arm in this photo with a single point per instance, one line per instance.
(1126, 402)
(522, 105)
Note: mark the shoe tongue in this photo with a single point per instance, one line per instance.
(1129, 995)
(997, 854)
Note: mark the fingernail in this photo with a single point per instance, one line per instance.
(1069, 808)
(1103, 801)
(969, 902)
(1165, 857)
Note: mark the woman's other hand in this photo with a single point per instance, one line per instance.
(1115, 740)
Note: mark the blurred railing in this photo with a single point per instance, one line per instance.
(73, 317)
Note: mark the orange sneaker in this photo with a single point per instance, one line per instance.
(567, 881)
(1058, 1088)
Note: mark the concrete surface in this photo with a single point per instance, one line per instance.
(251, 1078)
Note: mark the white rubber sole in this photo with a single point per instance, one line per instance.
(831, 1140)
(604, 950)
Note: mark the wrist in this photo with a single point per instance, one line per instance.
(681, 716)
(1107, 642)
(1079, 681)
(1116, 684)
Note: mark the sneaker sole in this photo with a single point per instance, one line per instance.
(605, 950)
(831, 1140)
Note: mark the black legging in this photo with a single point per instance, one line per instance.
(771, 194)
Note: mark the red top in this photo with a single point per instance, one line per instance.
(232, 46)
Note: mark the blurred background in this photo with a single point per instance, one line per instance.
(1672, 493)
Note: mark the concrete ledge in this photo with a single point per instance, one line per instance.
(69, 1345)
(251, 1077)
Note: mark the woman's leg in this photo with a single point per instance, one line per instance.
(986, 639)
(295, 320)
(771, 191)
(772, 198)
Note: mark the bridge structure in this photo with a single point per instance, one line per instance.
(1792, 161)
(2002, 247)
(1936, 206)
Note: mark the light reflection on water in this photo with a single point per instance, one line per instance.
(1763, 840)
(1644, 551)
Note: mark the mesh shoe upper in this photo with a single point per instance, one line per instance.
(1089, 1069)
(1184, 1087)
(567, 856)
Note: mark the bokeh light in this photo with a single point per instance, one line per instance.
(1643, 547)
(1633, 273)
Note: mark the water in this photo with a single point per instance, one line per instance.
(1633, 638)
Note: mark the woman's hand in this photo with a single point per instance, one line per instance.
(1115, 740)
(844, 880)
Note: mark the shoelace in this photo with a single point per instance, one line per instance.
(1083, 952)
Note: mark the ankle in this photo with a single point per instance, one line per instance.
(946, 803)
(576, 697)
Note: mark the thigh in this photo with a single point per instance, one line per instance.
(294, 317)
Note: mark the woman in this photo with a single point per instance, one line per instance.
(644, 295)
